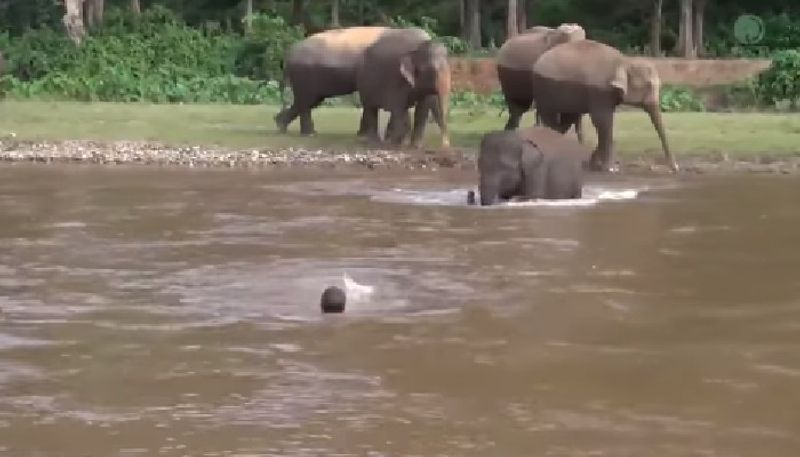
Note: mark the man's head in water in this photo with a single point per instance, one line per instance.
(471, 197)
(333, 300)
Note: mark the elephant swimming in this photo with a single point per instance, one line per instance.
(320, 66)
(404, 68)
(532, 163)
(588, 77)
(515, 60)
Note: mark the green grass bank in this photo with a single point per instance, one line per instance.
(740, 135)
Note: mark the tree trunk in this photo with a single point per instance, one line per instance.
(462, 20)
(298, 11)
(522, 15)
(73, 20)
(360, 12)
(686, 40)
(474, 23)
(655, 28)
(248, 16)
(335, 13)
(699, 19)
(136, 7)
(511, 20)
(93, 9)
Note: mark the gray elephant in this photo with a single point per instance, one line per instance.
(532, 163)
(321, 66)
(515, 61)
(404, 68)
(588, 77)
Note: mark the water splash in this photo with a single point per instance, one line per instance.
(356, 291)
(458, 197)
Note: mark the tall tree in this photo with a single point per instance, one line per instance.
(699, 20)
(298, 11)
(73, 20)
(462, 18)
(512, 25)
(685, 45)
(655, 28)
(473, 16)
(248, 16)
(136, 7)
(93, 12)
(335, 13)
(522, 15)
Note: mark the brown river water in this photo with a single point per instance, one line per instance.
(149, 312)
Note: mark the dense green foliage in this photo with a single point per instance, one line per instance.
(780, 85)
(198, 51)
(154, 57)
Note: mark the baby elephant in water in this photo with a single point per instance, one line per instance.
(530, 164)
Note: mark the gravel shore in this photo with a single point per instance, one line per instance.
(151, 153)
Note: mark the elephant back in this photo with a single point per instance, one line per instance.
(522, 51)
(551, 142)
(335, 48)
(396, 42)
(586, 62)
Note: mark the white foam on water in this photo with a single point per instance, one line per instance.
(458, 197)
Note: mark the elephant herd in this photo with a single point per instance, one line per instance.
(557, 70)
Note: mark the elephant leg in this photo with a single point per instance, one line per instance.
(368, 127)
(579, 128)
(567, 120)
(285, 117)
(515, 112)
(398, 127)
(549, 119)
(489, 188)
(537, 118)
(307, 123)
(603, 121)
(420, 121)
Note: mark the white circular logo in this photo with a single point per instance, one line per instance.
(749, 29)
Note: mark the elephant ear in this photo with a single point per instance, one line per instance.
(620, 82)
(407, 69)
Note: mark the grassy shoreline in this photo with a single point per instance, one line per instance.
(695, 137)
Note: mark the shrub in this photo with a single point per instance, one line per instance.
(779, 86)
(454, 45)
(263, 49)
(154, 57)
(674, 98)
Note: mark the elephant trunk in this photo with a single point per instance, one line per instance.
(443, 96)
(655, 117)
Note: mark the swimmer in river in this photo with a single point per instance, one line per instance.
(333, 300)
(471, 197)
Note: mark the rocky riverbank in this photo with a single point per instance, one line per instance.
(150, 153)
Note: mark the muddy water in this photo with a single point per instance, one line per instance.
(175, 312)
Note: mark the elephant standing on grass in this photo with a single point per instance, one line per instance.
(588, 77)
(404, 68)
(515, 61)
(321, 66)
(533, 163)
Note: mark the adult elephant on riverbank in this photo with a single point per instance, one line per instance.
(588, 77)
(322, 66)
(404, 68)
(515, 61)
(532, 163)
